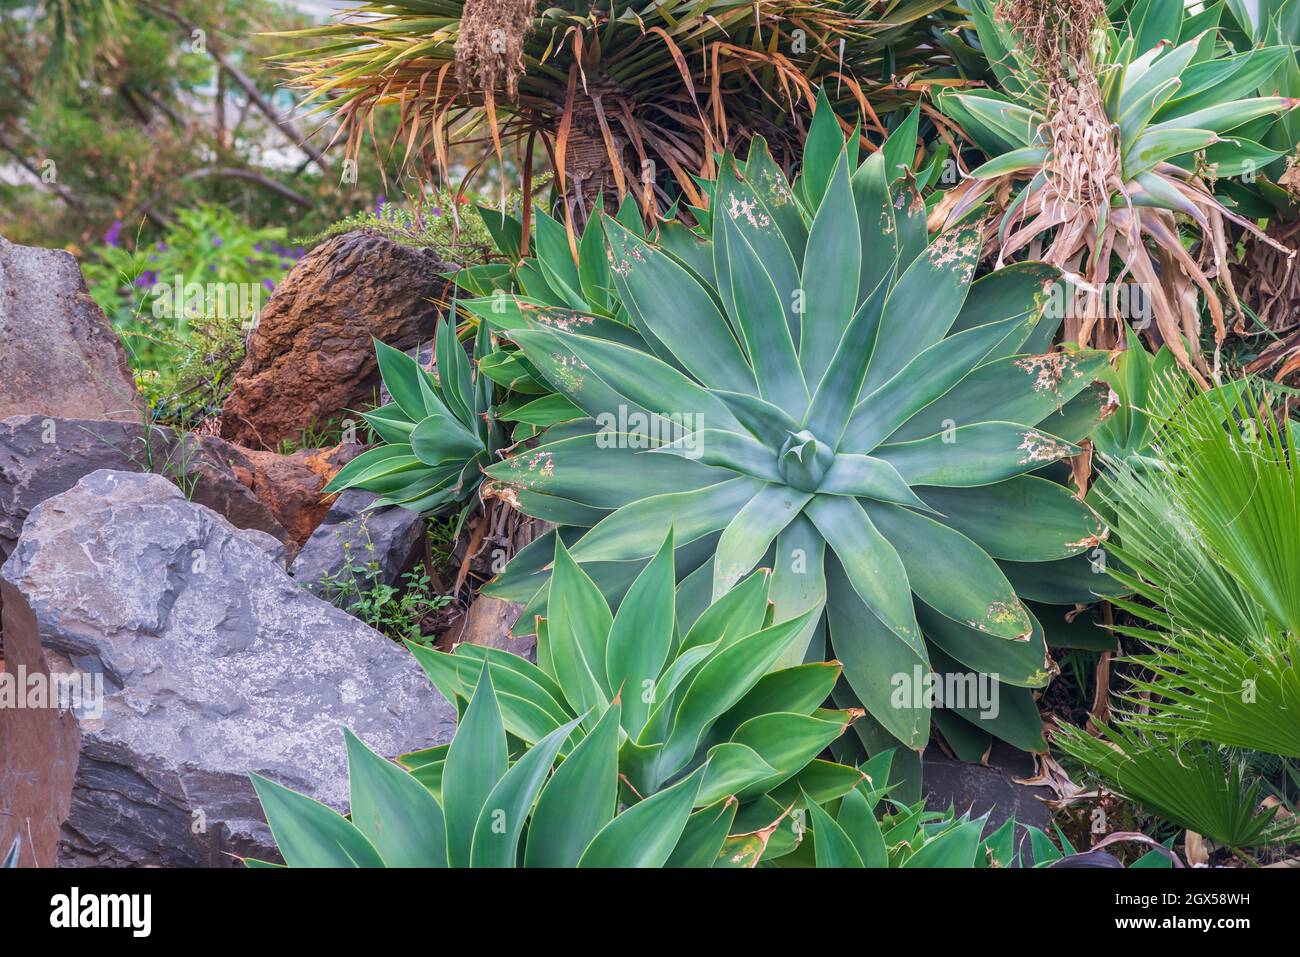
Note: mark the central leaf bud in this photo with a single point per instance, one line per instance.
(804, 460)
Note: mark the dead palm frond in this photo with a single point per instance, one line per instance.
(1101, 159)
(623, 98)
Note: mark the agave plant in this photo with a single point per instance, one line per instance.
(485, 801)
(811, 387)
(688, 697)
(438, 432)
(677, 748)
(611, 90)
(1104, 156)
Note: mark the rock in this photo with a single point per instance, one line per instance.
(38, 746)
(58, 354)
(393, 538)
(213, 663)
(488, 623)
(310, 359)
(289, 485)
(988, 788)
(42, 456)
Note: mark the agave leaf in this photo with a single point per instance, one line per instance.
(870, 561)
(923, 304)
(476, 761)
(395, 812)
(641, 636)
(633, 531)
(501, 822)
(872, 655)
(1049, 523)
(645, 834)
(833, 846)
(830, 276)
(704, 836)
(976, 454)
(578, 628)
(1021, 663)
(760, 312)
(309, 834)
(665, 298)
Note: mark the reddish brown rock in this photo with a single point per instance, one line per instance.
(39, 746)
(58, 354)
(289, 485)
(310, 358)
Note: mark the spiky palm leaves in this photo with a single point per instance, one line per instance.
(1206, 521)
(623, 97)
(1100, 158)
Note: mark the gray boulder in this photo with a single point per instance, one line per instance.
(353, 533)
(60, 356)
(41, 456)
(213, 662)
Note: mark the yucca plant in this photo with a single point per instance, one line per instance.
(807, 385)
(1099, 140)
(438, 433)
(1266, 276)
(624, 97)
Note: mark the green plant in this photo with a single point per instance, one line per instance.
(1202, 526)
(806, 384)
(611, 91)
(434, 223)
(1103, 144)
(395, 610)
(183, 305)
(679, 747)
(439, 431)
(688, 695)
(1194, 785)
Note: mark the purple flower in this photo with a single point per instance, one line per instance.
(147, 279)
(162, 246)
(437, 210)
(113, 236)
(269, 284)
(379, 203)
(257, 247)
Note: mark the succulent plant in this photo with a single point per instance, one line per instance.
(1102, 153)
(438, 432)
(707, 751)
(806, 383)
